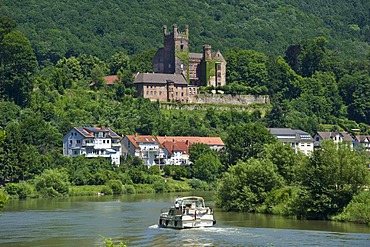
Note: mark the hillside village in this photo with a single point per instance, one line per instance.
(174, 150)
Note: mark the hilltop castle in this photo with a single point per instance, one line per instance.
(178, 73)
(200, 69)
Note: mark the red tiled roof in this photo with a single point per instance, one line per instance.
(211, 141)
(176, 146)
(110, 79)
(135, 139)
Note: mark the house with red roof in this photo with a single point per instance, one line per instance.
(93, 142)
(177, 153)
(146, 147)
(165, 150)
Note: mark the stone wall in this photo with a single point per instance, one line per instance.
(231, 99)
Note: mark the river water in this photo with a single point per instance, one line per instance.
(132, 219)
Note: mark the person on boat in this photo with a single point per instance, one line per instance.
(177, 203)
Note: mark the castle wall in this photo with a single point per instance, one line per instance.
(231, 99)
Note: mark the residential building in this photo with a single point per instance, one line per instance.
(362, 141)
(297, 139)
(93, 142)
(177, 153)
(164, 87)
(165, 150)
(146, 147)
(336, 136)
(201, 69)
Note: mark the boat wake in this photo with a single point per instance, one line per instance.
(156, 226)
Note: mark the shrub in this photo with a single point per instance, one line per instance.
(129, 189)
(126, 179)
(198, 184)
(26, 190)
(154, 170)
(358, 210)
(106, 190)
(3, 198)
(52, 183)
(21, 190)
(160, 186)
(116, 186)
(12, 189)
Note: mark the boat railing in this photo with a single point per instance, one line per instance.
(165, 210)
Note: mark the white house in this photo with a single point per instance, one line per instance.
(145, 147)
(93, 142)
(297, 139)
(362, 141)
(165, 150)
(337, 137)
(177, 153)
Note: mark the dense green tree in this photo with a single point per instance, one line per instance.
(355, 93)
(332, 177)
(308, 57)
(17, 63)
(119, 61)
(207, 167)
(12, 167)
(285, 159)
(246, 185)
(71, 71)
(246, 141)
(196, 150)
(6, 26)
(246, 67)
(283, 82)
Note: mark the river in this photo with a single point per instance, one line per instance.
(132, 219)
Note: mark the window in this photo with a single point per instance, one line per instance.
(78, 141)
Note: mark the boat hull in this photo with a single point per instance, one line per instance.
(182, 222)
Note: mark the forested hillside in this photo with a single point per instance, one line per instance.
(59, 29)
(310, 57)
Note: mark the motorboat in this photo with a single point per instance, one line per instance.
(187, 212)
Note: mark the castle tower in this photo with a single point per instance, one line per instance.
(173, 58)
